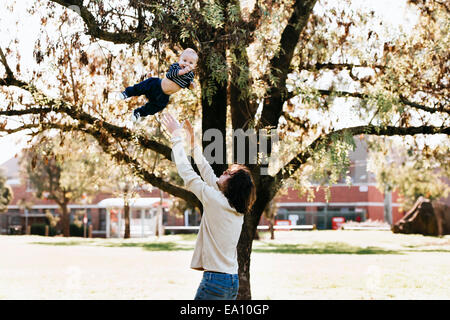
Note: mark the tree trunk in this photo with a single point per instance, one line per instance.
(265, 191)
(272, 232)
(244, 250)
(126, 213)
(270, 214)
(65, 219)
(388, 206)
(214, 117)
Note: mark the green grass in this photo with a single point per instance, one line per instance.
(62, 243)
(321, 248)
(357, 265)
(311, 243)
(430, 250)
(315, 248)
(155, 246)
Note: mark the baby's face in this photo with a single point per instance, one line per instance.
(188, 59)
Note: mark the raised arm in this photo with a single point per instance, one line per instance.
(192, 180)
(203, 165)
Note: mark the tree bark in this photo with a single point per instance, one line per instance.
(214, 114)
(265, 193)
(272, 232)
(65, 219)
(244, 250)
(126, 213)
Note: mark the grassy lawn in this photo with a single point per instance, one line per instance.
(296, 265)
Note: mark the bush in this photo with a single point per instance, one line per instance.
(39, 229)
(76, 231)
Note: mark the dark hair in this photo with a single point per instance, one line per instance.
(240, 188)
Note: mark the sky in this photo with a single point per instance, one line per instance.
(394, 12)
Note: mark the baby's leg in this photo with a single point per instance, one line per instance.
(140, 88)
(149, 108)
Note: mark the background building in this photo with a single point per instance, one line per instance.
(358, 202)
(25, 209)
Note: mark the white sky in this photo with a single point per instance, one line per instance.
(394, 12)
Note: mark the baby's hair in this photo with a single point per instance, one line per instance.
(190, 51)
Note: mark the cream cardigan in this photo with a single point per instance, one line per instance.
(221, 225)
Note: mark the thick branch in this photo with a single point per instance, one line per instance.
(295, 121)
(402, 100)
(339, 66)
(422, 107)
(359, 95)
(94, 27)
(292, 166)
(9, 74)
(281, 62)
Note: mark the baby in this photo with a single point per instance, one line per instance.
(157, 91)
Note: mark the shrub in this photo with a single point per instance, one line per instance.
(77, 231)
(39, 229)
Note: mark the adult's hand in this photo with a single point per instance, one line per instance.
(171, 124)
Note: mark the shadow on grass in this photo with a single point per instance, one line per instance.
(430, 250)
(322, 248)
(62, 243)
(160, 246)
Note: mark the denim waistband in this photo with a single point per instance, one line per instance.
(220, 275)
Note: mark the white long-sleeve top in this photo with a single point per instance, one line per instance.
(220, 227)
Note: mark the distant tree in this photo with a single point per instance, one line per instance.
(398, 165)
(62, 172)
(6, 193)
(124, 184)
(270, 213)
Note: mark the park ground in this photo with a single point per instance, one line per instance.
(343, 264)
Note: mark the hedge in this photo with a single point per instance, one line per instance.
(39, 229)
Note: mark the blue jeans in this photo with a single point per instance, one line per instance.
(218, 286)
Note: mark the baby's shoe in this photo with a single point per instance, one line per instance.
(135, 117)
(121, 96)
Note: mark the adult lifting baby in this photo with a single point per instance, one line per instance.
(225, 199)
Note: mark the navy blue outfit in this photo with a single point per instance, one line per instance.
(184, 80)
(152, 90)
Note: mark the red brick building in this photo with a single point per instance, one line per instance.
(25, 209)
(358, 202)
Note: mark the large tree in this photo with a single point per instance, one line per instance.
(63, 172)
(291, 66)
